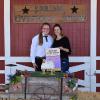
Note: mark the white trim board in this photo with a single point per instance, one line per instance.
(7, 27)
(93, 44)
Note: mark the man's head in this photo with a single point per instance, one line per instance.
(45, 28)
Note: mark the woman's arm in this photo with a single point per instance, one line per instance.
(66, 46)
(33, 49)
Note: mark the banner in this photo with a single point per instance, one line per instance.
(51, 13)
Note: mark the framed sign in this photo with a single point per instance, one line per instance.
(52, 13)
(53, 54)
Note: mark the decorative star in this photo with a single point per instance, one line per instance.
(25, 10)
(74, 9)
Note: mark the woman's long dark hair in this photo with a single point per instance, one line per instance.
(57, 25)
(40, 34)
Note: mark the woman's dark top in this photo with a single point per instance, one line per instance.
(63, 42)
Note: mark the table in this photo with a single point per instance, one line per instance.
(40, 86)
(44, 87)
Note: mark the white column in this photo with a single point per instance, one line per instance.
(7, 27)
(93, 45)
(7, 32)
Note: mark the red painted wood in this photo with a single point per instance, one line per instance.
(25, 63)
(98, 65)
(78, 33)
(79, 75)
(98, 75)
(98, 28)
(97, 89)
(97, 78)
(2, 28)
(72, 64)
(30, 64)
(2, 65)
(2, 78)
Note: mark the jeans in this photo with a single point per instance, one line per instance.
(64, 64)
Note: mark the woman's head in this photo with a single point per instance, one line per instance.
(57, 30)
(45, 28)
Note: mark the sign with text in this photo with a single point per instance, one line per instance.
(53, 54)
(52, 13)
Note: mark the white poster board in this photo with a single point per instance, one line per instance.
(53, 54)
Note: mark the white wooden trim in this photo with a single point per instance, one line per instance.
(78, 68)
(79, 59)
(72, 59)
(2, 71)
(84, 83)
(97, 72)
(7, 28)
(98, 85)
(2, 84)
(20, 59)
(83, 89)
(2, 58)
(98, 58)
(7, 31)
(93, 44)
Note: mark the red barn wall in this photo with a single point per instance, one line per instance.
(98, 45)
(2, 28)
(2, 62)
(78, 33)
(98, 28)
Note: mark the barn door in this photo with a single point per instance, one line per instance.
(82, 36)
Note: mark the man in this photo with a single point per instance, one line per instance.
(40, 43)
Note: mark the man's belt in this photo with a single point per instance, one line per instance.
(40, 57)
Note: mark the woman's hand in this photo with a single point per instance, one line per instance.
(61, 48)
(64, 49)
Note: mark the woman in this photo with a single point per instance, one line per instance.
(40, 43)
(62, 42)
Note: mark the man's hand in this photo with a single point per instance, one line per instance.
(34, 65)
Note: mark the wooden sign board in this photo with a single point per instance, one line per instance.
(52, 13)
